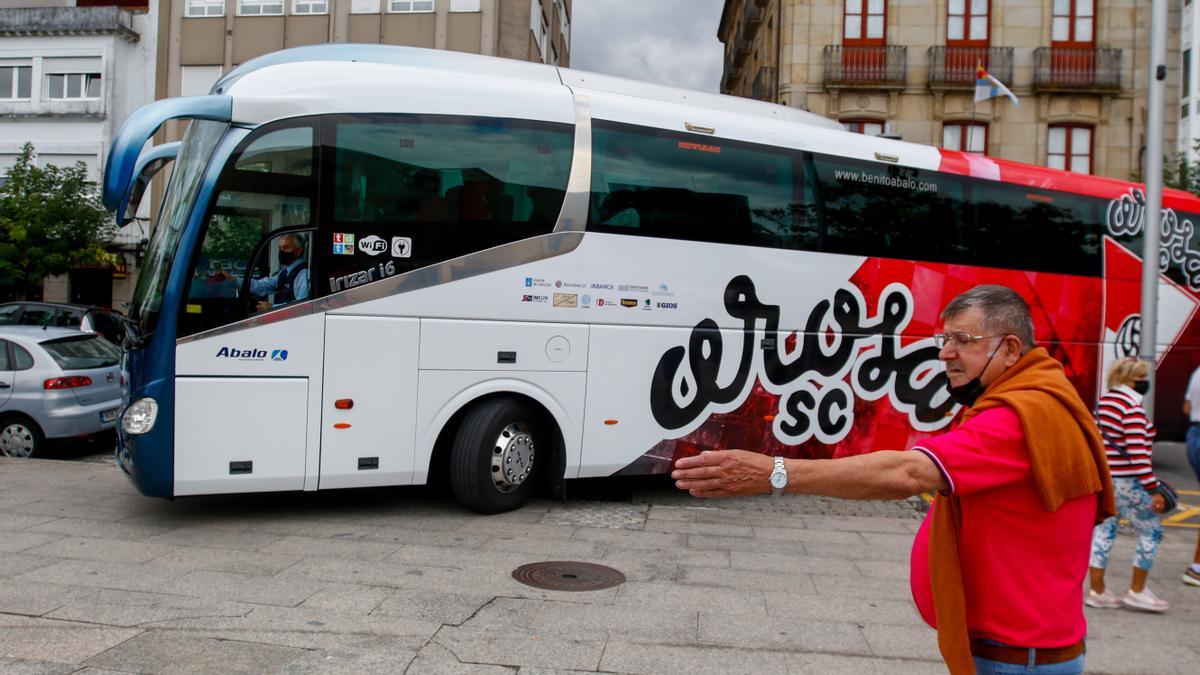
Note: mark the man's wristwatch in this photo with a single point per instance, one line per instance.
(779, 477)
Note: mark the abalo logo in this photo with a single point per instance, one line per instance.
(251, 354)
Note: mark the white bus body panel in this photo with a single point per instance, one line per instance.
(208, 416)
(373, 362)
(739, 127)
(444, 392)
(322, 88)
(221, 420)
(476, 345)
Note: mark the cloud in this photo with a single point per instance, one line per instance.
(665, 41)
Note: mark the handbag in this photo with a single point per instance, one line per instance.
(1169, 495)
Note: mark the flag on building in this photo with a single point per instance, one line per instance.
(987, 86)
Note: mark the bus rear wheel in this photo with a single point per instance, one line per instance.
(496, 456)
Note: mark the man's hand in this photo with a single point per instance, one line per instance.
(724, 473)
(262, 306)
(1158, 503)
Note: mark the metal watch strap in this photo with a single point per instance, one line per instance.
(779, 466)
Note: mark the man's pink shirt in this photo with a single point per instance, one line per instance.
(1023, 567)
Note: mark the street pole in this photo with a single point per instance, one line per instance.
(1154, 187)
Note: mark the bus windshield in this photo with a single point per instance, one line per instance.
(198, 145)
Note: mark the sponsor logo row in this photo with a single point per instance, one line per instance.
(372, 245)
(585, 300)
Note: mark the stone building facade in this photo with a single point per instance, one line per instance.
(1080, 69)
(202, 39)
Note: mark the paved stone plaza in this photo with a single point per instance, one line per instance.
(95, 578)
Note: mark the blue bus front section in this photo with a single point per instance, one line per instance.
(141, 125)
(149, 459)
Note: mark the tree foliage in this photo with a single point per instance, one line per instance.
(51, 220)
(1181, 174)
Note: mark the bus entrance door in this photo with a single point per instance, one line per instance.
(369, 402)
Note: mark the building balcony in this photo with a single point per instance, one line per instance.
(46, 21)
(730, 79)
(867, 67)
(752, 18)
(741, 49)
(764, 86)
(954, 67)
(1076, 70)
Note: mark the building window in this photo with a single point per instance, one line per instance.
(967, 21)
(864, 20)
(1070, 148)
(539, 26)
(72, 85)
(205, 8)
(310, 7)
(866, 127)
(1073, 22)
(410, 6)
(260, 7)
(965, 137)
(1187, 73)
(564, 24)
(464, 5)
(16, 82)
(364, 7)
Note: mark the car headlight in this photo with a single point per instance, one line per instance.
(139, 417)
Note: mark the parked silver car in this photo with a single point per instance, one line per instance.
(55, 383)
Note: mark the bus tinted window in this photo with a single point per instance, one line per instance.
(882, 210)
(419, 189)
(1022, 228)
(658, 183)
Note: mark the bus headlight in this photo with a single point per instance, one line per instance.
(139, 416)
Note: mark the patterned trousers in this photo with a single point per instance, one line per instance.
(1133, 504)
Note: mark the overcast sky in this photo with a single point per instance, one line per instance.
(667, 41)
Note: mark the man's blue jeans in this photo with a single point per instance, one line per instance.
(988, 667)
(1193, 448)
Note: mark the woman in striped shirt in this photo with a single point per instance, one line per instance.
(1129, 442)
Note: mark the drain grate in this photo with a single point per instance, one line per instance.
(565, 575)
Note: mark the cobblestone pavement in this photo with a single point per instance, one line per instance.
(95, 578)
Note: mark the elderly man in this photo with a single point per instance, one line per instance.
(291, 283)
(999, 563)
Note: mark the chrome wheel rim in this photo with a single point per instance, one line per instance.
(512, 457)
(16, 440)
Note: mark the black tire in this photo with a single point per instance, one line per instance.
(498, 434)
(20, 437)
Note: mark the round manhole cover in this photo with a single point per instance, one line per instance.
(565, 575)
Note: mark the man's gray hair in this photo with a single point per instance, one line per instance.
(297, 239)
(1004, 312)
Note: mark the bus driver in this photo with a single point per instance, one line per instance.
(290, 284)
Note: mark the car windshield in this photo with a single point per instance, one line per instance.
(81, 352)
(199, 143)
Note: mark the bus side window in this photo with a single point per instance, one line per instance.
(882, 210)
(415, 190)
(268, 185)
(657, 183)
(1025, 228)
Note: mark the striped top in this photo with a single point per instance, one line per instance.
(1122, 420)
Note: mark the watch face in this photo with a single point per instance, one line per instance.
(779, 480)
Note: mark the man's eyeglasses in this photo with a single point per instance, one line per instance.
(959, 339)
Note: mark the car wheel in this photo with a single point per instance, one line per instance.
(497, 455)
(20, 437)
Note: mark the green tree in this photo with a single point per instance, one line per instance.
(51, 220)
(1181, 174)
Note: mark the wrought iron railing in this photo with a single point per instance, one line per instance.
(955, 67)
(1073, 69)
(865, 66)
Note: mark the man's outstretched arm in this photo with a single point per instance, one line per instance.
(886, 474)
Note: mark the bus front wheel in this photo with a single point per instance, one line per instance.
(498, 450)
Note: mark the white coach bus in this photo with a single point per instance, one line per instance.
(383, 266)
